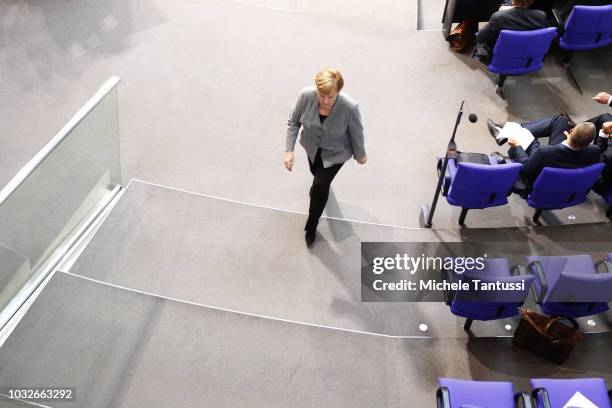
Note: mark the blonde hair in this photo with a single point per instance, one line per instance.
(328, 80)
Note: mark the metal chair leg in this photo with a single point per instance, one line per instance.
(464, 212)
(536, 215)
(499, 89)
(467, 325)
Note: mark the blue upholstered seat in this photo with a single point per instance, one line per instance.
(561, 188)
(520, 52)
(488, 304)
(478, 186)
(483, 394)
(570, 286)
(559, 393)
(587, 28)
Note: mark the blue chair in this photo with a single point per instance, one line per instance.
(586, 28)
(455, 393)
(484, 304)
(519, 52)
(479, 186)
(555, 188)
(579, 392)
(570, 286)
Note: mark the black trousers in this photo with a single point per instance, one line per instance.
(319, 192)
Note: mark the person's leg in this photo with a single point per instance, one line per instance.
(545, 127)
(558, 127)
(319, 192)
(599, 120)
(311, 165)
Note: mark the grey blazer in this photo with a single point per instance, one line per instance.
(340, 136)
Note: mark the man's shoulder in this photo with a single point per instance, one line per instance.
(518, 13)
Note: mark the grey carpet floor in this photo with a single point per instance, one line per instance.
(123, 349)
(254, 260)
(207, 87)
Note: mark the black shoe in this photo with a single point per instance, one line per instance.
(494, 129)
(310, 237)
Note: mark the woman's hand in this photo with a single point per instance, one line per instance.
(363, 160)
(289, 160)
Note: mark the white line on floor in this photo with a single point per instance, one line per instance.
(275, 208)
(25, 401)
(242, 313)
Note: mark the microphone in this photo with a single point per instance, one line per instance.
(472, 117)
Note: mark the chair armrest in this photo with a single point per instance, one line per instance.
(443, 398)
(522, 399)
(517, 270)
(535, 268)
(451, 172)
(543, 394)
(607, 266)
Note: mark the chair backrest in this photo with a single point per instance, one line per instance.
(573, 392)
(580, 287)
(573, 278)
(560, 188)
(485, 300)
(481, 185)
(587, 27)
(519, 52)
(479, 393)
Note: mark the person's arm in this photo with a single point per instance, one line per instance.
(293, 124)
(604, 98)
(532, 168)
(518, 155)
(355, 129)
(488, 34)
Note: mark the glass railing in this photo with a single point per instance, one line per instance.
(49, 203)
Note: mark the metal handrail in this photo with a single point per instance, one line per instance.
(36, 161)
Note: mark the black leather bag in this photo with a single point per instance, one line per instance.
(546, 336)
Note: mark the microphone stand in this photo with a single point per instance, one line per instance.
(427, 212)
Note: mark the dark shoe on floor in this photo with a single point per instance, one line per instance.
(310, 238)
(494, 130)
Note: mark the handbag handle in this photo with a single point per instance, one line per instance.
(551, 321)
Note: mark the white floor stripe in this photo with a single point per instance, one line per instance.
(241, 313)
(26, 402)
(278, 209)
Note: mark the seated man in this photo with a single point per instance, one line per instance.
(518, 17)
(568, 148)
(564, 8)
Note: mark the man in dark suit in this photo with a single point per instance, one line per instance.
(565, 7)
(603, 124)
(568, 148)
(518, 17)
